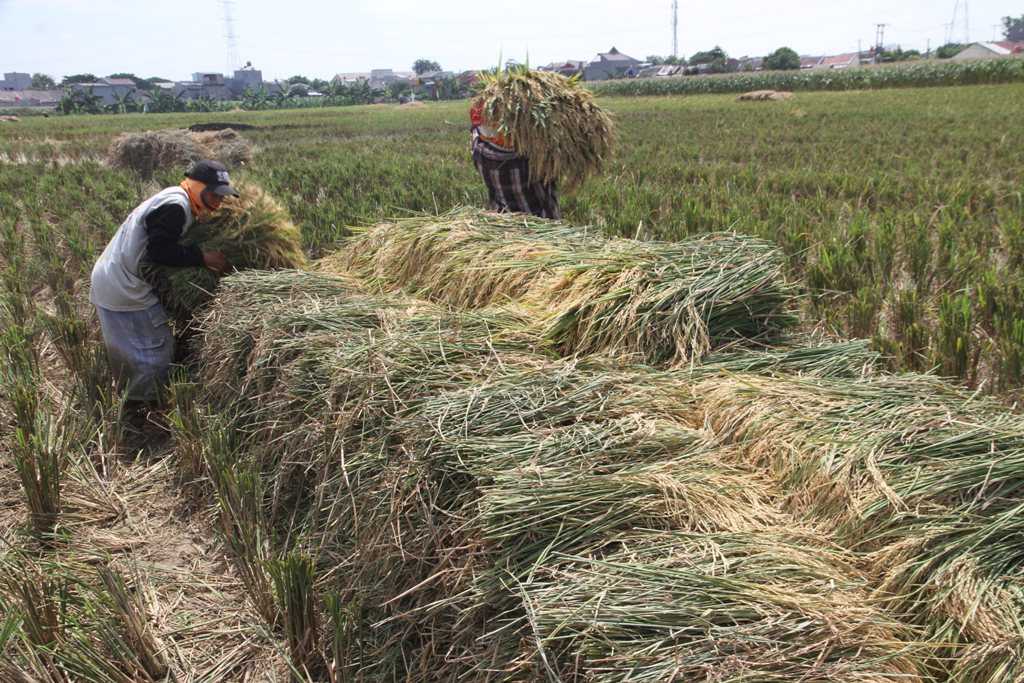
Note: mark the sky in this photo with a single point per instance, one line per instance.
(174, 38)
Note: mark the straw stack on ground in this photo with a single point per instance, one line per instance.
(926, 478)
(147, 152)
(469, 499)
(550, 119)
(252, 230)
(661, 302)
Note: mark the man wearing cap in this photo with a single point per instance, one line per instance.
(135, 326)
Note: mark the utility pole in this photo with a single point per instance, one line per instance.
(879, 40)
(952, 24)
(229, 35)
(967, 24)
(928, 50)
(675, 28)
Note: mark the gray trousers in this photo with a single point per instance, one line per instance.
(140, 347)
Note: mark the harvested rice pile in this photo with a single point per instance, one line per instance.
(550, 119)
(466, 505)
(149, 151)
(425, 488)
(252, 230)
(926, 479)
(663, 302)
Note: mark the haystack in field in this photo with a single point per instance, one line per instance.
(663, 302)
(146, 152)
(252, 230)
(481, 509)
(765, 96)
(550, 119)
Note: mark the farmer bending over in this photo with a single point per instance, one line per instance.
(135, 326)
(506, 174)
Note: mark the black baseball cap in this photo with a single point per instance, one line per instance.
(214, 175)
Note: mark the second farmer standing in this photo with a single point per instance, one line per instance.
(507, 174)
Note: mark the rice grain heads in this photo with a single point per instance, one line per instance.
(151, 150)
(550, 119)
(252, 230)
(664, 302)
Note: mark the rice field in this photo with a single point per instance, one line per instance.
(901, 211)
(689, 434)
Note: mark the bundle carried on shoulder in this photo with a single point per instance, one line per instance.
(550, 119)
(252, 231)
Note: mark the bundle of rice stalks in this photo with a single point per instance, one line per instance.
(925, 477)
(665, 302)
(797, 356)
(258, 314)
(252, 231)
(549, 119)
(725, 607)
(149, 151)
(527, 512)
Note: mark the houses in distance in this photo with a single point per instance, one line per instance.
(996, 50)
(16, 87)
(615, 64)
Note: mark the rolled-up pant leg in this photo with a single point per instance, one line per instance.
(140, 347)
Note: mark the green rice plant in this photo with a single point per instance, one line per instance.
(344, 623)
(37, 609)
(187, 422)
(252, 231)
(909, 329)
(549, 119)
(42, 439)
(1011, 355)
(17, 275)
(239, 492)
(42, 609)
(135, 629)
(41, 457)
(77, 625)
(294, 577)
(956, 337)
(20, 367)
(667, 303)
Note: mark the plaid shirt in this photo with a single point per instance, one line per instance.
(507, 176)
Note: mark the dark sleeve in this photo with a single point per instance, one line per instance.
(164, 227)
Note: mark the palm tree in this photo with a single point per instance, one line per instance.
(163, 101)
(122, 103)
